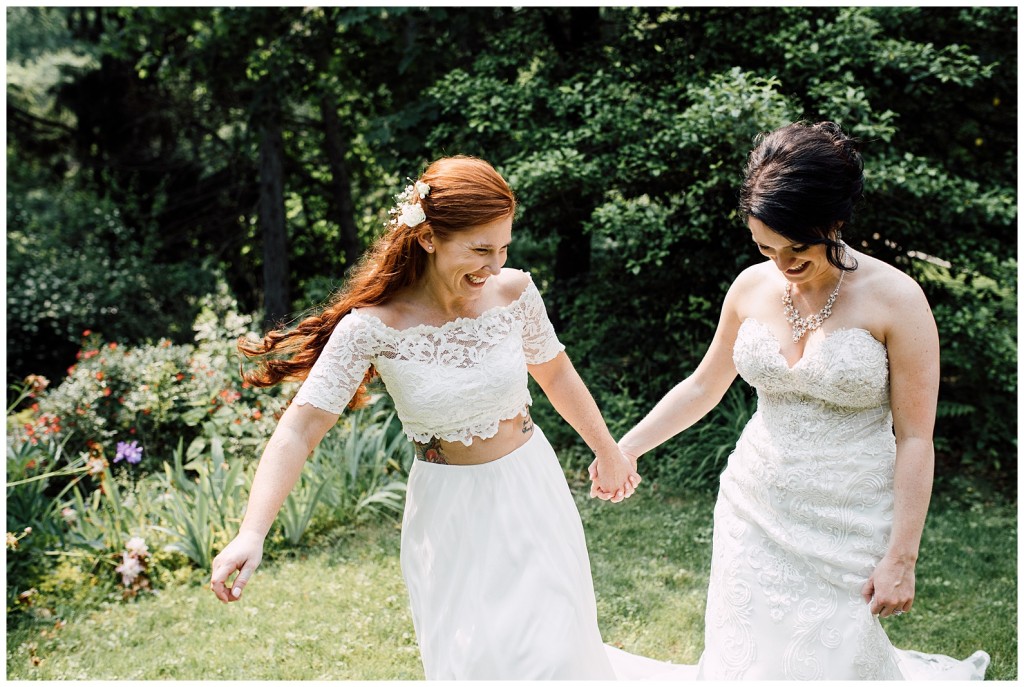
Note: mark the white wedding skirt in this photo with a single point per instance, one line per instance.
(499, 580)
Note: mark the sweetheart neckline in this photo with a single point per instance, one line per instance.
(826, 336)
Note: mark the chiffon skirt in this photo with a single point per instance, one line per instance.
(499, 581)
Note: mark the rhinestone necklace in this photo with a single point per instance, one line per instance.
(803, 325)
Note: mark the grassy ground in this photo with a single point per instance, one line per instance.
(340, 611)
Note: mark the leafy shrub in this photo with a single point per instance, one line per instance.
(157, 394)
(73, 265)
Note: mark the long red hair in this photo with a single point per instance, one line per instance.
(465, 192)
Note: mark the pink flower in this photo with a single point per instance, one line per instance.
(130, 568)
(96, 465)
(136, 546)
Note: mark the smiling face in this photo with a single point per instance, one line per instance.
(464, 261)
(799, 263)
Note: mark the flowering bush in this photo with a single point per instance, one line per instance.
(136, 469)
(144, 399)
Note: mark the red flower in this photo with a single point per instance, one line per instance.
(112, 345)
(87, 332)
(256, 415)
(99, 375)
(106, 392)
(179, 376)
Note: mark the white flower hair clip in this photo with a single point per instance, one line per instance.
(410, 213)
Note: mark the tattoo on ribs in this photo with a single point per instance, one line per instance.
(431, 451)
(527, 423)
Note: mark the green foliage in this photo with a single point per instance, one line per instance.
(34, 521)
(644, 163)
(203, 500)
(75, 507)
(73, 265)
(357, 472)
(976, 314)
(158, 394)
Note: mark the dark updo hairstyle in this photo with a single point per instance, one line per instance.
(801, 181)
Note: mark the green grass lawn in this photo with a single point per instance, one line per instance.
(339, 611)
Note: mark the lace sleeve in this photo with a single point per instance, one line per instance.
(340, 369)
(540, 343)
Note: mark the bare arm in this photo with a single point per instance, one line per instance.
(571, 398)
(299, 431)
(913, 345)
(695, 396)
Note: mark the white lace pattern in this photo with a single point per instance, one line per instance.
(804, 515)
(456, 381)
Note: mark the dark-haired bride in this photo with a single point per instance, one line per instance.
(823, 501)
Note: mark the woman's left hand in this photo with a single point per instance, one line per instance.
(890, 589)
(613, 477)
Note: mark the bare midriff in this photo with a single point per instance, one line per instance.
(511, 435)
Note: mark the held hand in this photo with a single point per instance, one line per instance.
(243, 554)
(890, 589)
(613, 478)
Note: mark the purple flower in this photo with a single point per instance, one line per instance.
(131, 452)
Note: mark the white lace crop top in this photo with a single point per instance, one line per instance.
(455, 382)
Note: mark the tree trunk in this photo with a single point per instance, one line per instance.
(276, 301)
(572, 255)
(341, 209)
(575, 33)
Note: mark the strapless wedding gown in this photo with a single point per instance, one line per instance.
(803, 516)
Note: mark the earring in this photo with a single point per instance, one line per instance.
(430, 249)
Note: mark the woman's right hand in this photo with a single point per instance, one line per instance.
(613, 477)
(243, 554)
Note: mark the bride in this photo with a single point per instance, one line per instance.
(493, 551)
(821, 507)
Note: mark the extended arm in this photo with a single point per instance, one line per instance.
(299, 431)
(913, 346)
(571, 398)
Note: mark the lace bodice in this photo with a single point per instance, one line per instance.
(455, 381)
(838, 391)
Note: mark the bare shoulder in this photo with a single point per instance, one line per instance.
(751, 287)
(898, 305)
(896, 290)
(512, 283)
(390, 313)
(755, 276)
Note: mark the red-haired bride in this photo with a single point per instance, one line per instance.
(493, 551)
